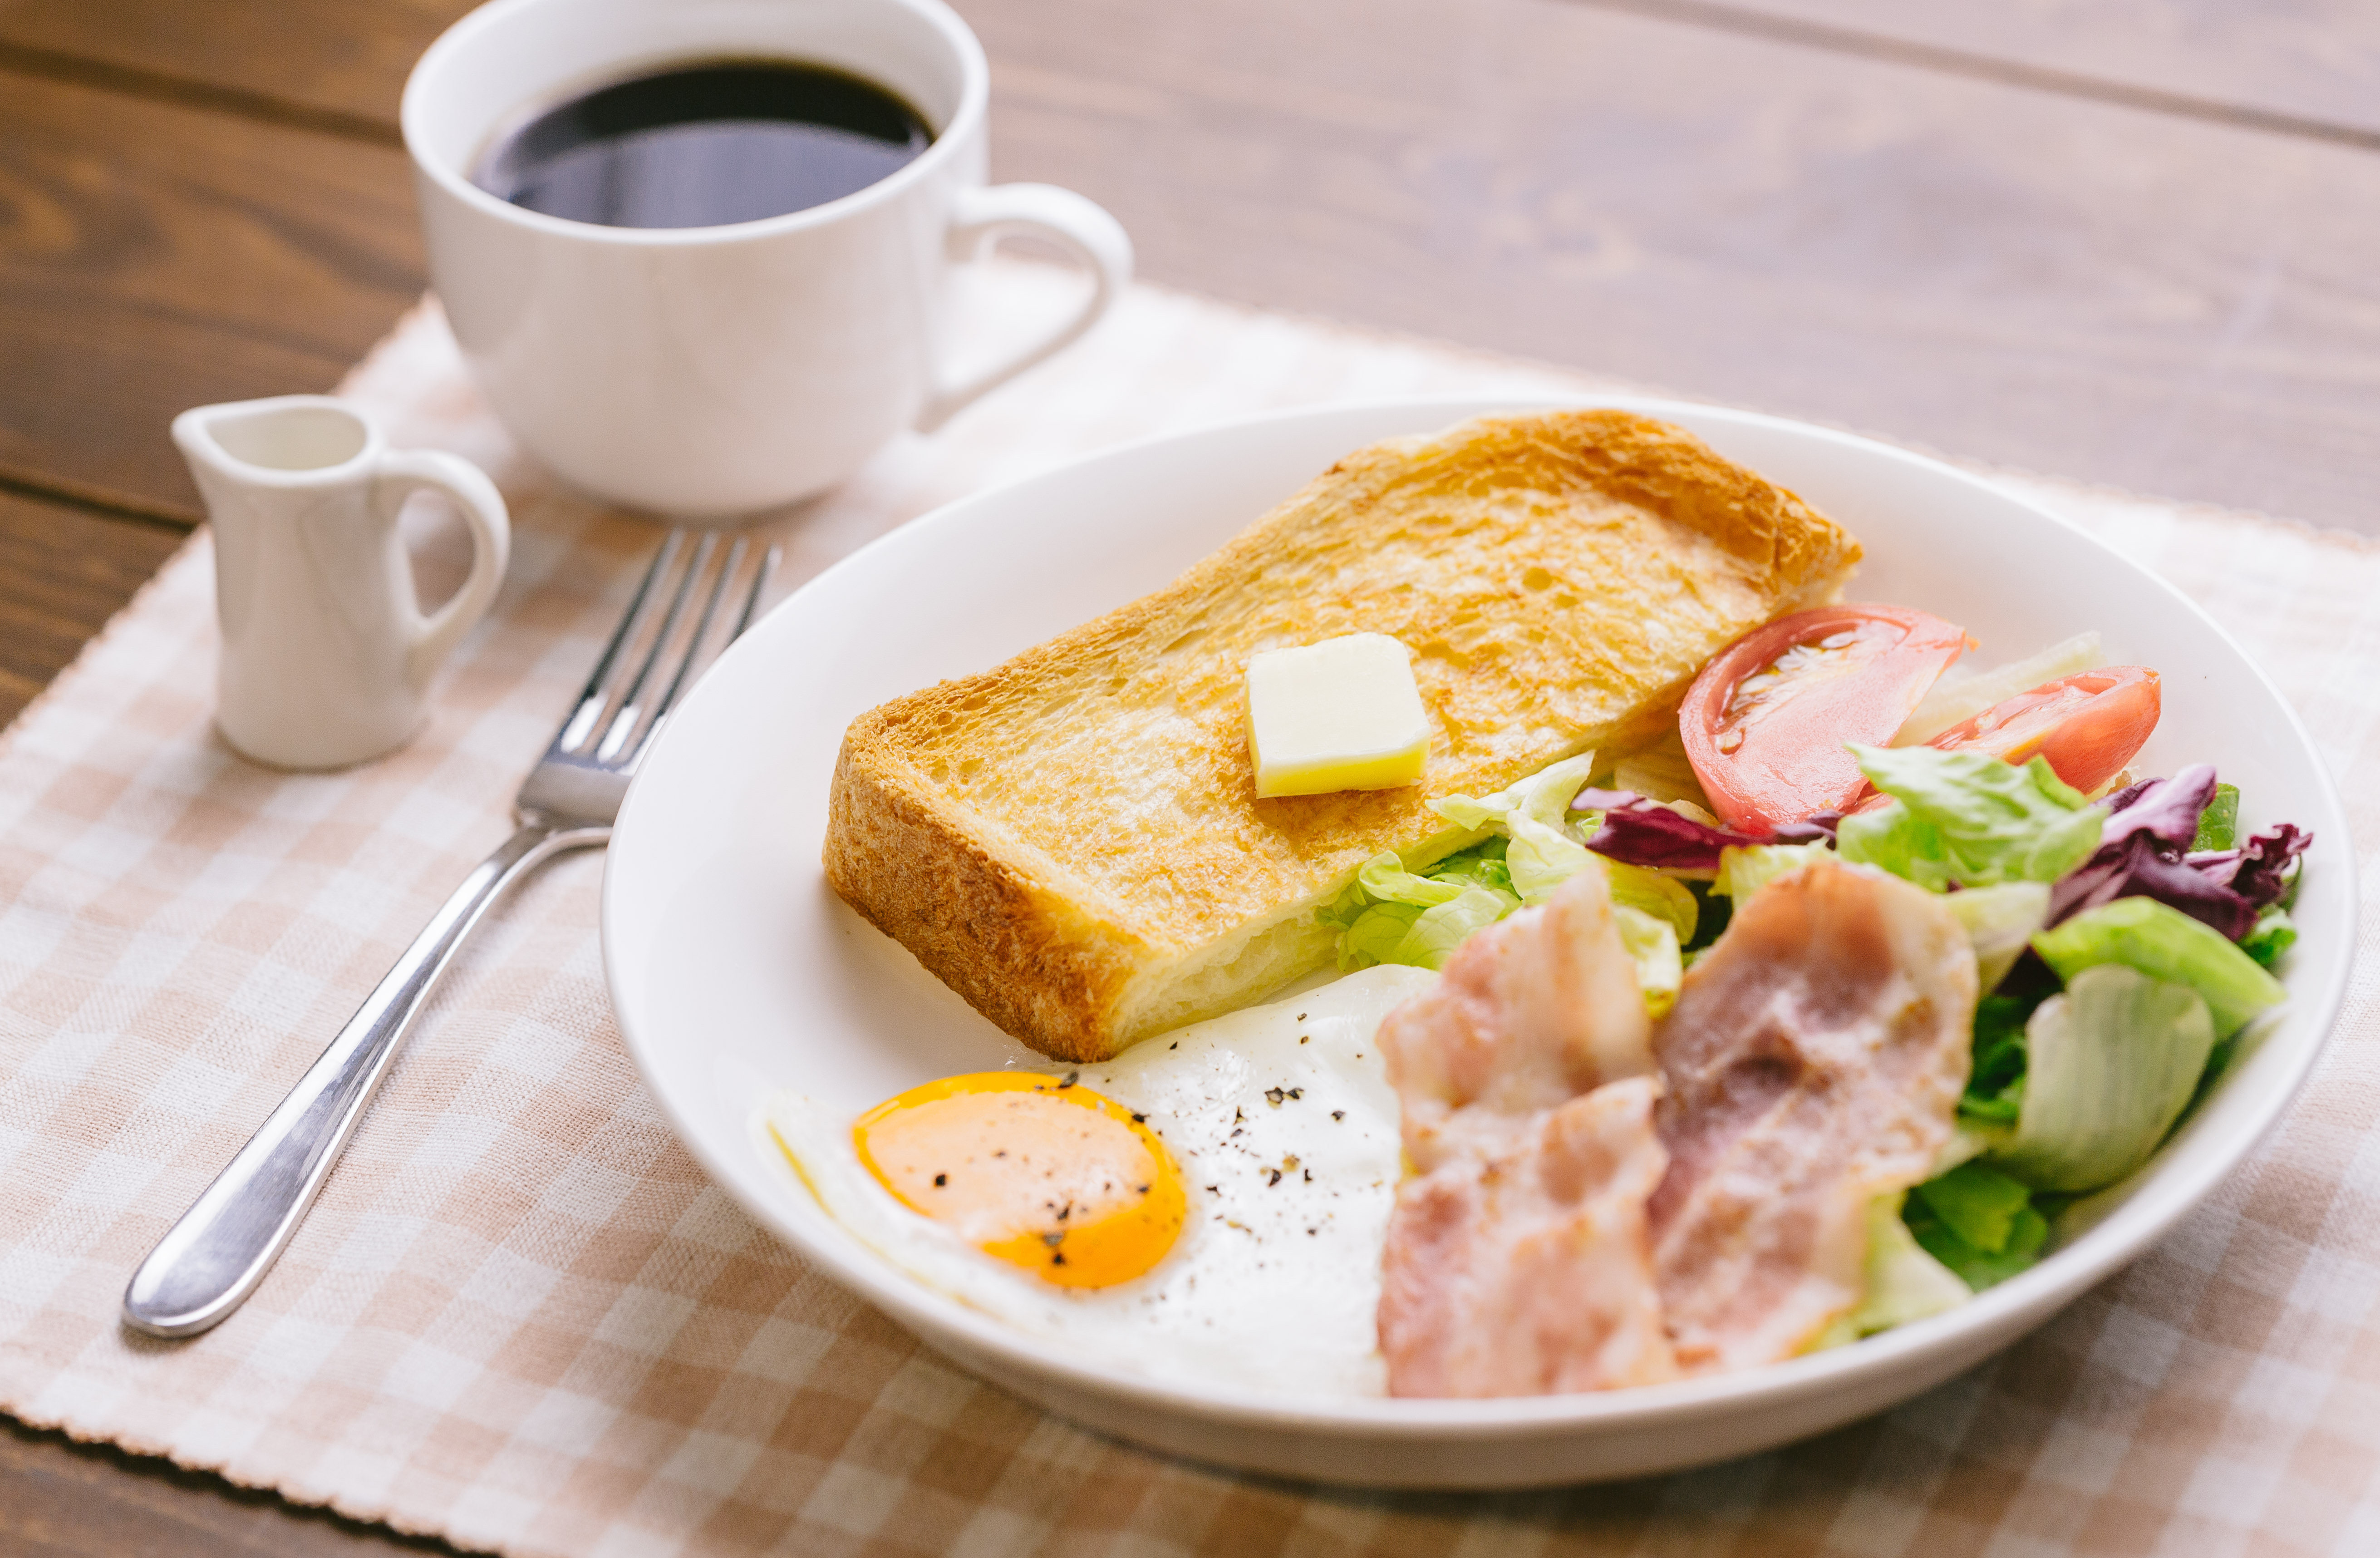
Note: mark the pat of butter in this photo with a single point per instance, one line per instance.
(1342, 715)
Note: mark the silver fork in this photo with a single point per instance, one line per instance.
(210, 1261)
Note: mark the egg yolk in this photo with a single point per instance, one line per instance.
(1034, 1170)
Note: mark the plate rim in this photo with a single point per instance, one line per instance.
(1998, 1315)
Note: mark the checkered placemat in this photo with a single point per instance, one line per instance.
(520, 1318)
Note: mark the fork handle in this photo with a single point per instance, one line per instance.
(210, 1261)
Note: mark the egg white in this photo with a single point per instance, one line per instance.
(1275, 1281)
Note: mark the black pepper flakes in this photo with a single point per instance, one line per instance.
(941, 1180)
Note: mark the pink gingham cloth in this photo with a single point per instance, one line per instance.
(520, 1318)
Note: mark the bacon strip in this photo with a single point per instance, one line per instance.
(1528, 1014)
(1519, 1262)
(1530, 1272)
(1813, 1062)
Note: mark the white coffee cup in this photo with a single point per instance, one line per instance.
(708, 374)
(326, 656)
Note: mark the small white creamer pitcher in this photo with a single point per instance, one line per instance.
(326, 654)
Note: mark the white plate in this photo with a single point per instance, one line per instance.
(735, 971)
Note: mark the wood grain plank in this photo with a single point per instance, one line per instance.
(2060, 285)
(63, 1499)
(2067, 286)
(63, 571)
(154, 257)
(2309, 60)
(343, 56)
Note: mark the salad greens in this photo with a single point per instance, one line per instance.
(1978, 1221)
(2219, 825)
(2111, 1064)
(1996, 1081)
(1968, 818)
(1904, 1281)
(1533, 815)
(1390, 915)
(2163, 943)
(1745, 871)
(2270, 937)
(2000, 921)
(1394, 915)
(2107, 978)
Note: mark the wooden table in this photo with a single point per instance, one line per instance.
(2135, 241)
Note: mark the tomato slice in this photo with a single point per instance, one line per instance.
(2088, 726)
(1765, 723)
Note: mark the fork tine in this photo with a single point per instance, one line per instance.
(623, 721)
(701, 627)
(769, 561)
(576, 730)
(685, 668)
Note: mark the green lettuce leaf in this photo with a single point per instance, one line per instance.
(1442, 927)
(2270, 937)
(1391, 915)
(1968, 818)
(2219, 825)
(1903, 1282)
(1979, 1204)
(1979, 1222)
(1649, 892)
(1995, 1082)
(1531, 796)
(2000, 922)
(1540, 853)
(1743, 869)
(1482, 865)
(1385, 878)
(1394, 915)
(2111, 1064)
(1893, 838)
(1652, 942)
(2163, 943)
(1374, 934)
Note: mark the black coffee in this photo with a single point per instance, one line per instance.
(706, 144)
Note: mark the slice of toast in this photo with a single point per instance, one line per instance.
(1072, 841)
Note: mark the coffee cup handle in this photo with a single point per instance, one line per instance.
(398, 477)
(1083, 228)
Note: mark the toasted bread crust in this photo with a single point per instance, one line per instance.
(1062, 838)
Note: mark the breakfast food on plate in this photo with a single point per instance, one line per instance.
(1342, 715)
(1813, 1062)
(1072, 841)
(1801, 1017)
(1283, 1131)
(1518, 1260)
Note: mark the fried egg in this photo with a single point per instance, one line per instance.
(1210, 1206)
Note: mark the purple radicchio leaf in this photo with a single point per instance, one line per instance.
(2219, 865)
(2140, 855)
(2142, 866)
(1638, 832)
(2165, 808)
(2128, 793)
(1812, 829)
(2261, 872)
